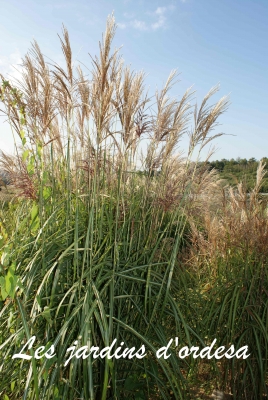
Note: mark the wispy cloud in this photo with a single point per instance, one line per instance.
(140, 25)
(61, 5)
(157, 20)
(129, 15)
(121, 25)
(160, 10)
(161, 18)
(10, 65)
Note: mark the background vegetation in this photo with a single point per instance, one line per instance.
(240, 170)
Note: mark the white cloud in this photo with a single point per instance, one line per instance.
(129, 15)
(121, 25)
(135, 23)
(141, 25)
(160, 13)
(159, 17)
(160, 23)
(160, 10)
(10, 65)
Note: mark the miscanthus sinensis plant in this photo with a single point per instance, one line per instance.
(228, 255)
(93, 252)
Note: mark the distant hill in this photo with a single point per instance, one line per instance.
(240, 169)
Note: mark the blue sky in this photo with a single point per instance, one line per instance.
(208, 41)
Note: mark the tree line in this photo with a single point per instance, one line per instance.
(241, 169)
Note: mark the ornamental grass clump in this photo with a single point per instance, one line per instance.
(94, 246)
(237, 227)
(229, 257)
